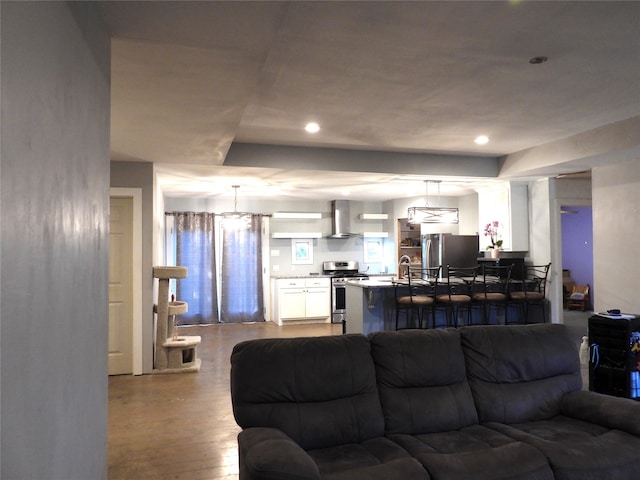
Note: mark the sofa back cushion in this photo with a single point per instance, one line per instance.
(320, 391)
(520, 373)
(422, 381)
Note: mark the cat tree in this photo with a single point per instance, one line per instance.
(173, 353)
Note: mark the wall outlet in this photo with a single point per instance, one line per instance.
(275, 253)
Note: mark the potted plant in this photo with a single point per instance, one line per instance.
(491, 230)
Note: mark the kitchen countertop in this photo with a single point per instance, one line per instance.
(372, 283)
(299, 275)
(307, 275)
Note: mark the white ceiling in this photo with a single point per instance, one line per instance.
(189, 79)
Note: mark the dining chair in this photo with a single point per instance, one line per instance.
(531, 292)
(416, 295)
(493, 291)
(458, 284)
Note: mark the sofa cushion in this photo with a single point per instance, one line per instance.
(477, 453)
(405, 468)
(579, 450)
(422, 382)
(520, 373)
(377, 458)
(320, 391)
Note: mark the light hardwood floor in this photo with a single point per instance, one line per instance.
(181, 426)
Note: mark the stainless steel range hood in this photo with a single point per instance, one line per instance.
(340, 219)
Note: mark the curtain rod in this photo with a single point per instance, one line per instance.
(219, 214)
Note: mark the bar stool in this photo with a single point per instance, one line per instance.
(494, 291)
(532, 293)
(417, 295)
(459, 284)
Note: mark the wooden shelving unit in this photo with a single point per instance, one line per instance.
(409, 239)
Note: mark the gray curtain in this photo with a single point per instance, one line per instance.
(242, 299)
(195, 240)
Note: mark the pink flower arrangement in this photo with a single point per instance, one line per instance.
(491, 231)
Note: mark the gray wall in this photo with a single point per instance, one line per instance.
(54, 245)
(140, 175)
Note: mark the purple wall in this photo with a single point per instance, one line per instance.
(577, 244)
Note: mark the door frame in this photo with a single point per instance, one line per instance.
(556, 241)
(136, 195)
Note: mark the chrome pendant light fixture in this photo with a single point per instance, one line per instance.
(236, 220)
(428, 214)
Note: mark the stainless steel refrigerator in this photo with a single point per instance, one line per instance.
(447, 249)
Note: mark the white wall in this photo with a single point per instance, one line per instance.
(518, 213)
(543, 229)
(616, 236)
(506, 203)
(54, 245)
(469, 216)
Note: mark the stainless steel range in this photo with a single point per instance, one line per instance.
(341, 272)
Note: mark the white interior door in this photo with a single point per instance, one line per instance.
(121, 286)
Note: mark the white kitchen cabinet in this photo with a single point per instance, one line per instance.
(292, 302)
(318, 298)
(301, 300)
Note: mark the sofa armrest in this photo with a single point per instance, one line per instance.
(611, 412)
(270, 454)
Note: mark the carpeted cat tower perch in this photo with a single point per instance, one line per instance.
(173, 353)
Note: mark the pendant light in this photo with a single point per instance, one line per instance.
(429, 214)
(236, 220)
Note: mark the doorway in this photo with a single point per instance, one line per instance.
(120, 285)
(125, 282)
(577, 243)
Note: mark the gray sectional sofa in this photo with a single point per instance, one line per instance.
(481, 403)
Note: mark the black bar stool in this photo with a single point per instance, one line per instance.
(459, 283)
(417, 295)
(532, 292)
(493, 291)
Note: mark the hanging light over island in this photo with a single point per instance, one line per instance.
(429, 214)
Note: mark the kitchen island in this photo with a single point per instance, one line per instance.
(370, 306)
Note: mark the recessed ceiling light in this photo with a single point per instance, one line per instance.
(312, 127)
(481, 140)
